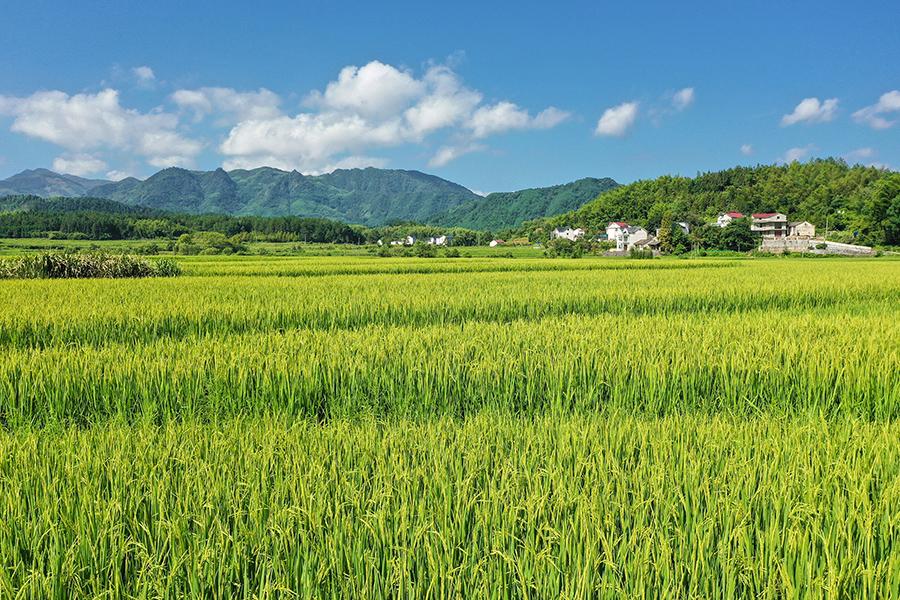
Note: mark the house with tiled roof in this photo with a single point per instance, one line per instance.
(770, 224)
(725, 219)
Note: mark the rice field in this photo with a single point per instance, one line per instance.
(333, 427)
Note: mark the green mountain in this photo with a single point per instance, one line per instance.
(43, 182)
(502, 210)
(365, 196)
(858, 203)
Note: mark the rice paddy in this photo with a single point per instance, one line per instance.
(531, 428)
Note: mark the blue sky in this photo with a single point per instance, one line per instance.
(495, 96)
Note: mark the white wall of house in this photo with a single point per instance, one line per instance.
(772, 226)
(568, 233)
(803, 229)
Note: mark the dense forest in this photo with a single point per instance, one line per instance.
(503, 210)
(101, 219)
(855, 203)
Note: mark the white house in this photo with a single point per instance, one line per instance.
(438, 241)
(568, 233)
(725, 219)
(624, 235)
(802, 229)
(495, 243)
(770, 225)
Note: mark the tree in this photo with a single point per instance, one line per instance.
(737, 236)
(665, 234)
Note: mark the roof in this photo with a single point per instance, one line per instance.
(619, 223)
(735, 215)
(764, 215)
(796, 223)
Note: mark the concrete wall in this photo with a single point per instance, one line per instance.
(777, 246)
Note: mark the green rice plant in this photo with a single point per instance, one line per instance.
(493, 506)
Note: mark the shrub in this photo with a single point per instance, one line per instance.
(56, 265)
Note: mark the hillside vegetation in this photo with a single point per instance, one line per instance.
(503, 210)
(861, 203)
(359, 196)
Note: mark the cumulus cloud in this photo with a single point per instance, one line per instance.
(84, 123)
(875, 115)
(506, 116)
(373, 90)
(796, 154)
(144, 74)
(447, 154)
(746, 149)
(683, 98)
(376, 106)
(616, 121)
(230, 105)
(78, 164)
(810, 110)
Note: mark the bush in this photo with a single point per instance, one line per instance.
(56, 265)
(640, 254)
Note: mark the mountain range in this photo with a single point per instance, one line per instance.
(367, 196)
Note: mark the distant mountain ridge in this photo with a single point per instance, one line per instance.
(369, 196)
(502, 210)
(44, 182)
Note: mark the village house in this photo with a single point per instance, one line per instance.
(770, 225)
(495, 243)
(624, 235)
(441, 240)
(725, 219)
(802, 229)
(407, 241)
(567, 234)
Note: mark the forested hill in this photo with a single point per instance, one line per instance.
(43, 182)
(861, 200)
(502, 210)
(363, 196)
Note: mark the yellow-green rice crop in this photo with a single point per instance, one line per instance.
(362, 427)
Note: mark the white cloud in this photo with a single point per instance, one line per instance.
(95, 122)
(746, 149)
(873, 115)
(858, 154)
(374, 90)
(447, 154)
(117, 175)
(616, 121)
(78, 164)
(683, 98)
(447, 103)
(231, 106)
(144, 74)
(796, 154)
(374, 106)
(810, 110)
(506, 116)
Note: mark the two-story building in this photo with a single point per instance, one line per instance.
(770, 225)
(624, 235)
